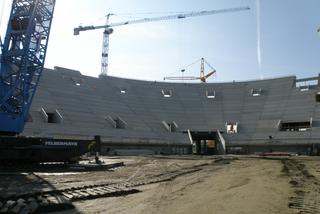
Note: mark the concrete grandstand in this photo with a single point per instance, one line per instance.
(280, 114)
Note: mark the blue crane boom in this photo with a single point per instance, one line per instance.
(22, 60)
(108, 28)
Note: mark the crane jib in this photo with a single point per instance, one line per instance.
(105, 47)
(177, 16)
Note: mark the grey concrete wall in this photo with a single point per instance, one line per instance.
(85, 106)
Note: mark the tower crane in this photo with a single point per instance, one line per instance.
(108, 28)
(203, 77)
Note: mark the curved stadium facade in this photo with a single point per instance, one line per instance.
(281, 114)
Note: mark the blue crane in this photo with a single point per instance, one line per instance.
(109, 30)
(22, 60)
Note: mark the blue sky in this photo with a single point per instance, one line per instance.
(289, 43)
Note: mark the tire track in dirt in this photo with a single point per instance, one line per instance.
(306, 198)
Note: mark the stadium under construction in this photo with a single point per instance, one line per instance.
(149, 117)
(73, 143)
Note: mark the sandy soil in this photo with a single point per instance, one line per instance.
(222, 185)
(243, 186)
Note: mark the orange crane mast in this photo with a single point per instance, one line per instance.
(203, 77)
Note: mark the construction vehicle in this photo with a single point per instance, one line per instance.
(22, 60)
(108, 28)
(203, 77)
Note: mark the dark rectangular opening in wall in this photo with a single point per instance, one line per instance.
(211, 94)
(256, 92)
(204, 142)
(170, 127)
(116, 122)
(295, 126)
(51, 118)
(166, 93)
(318, 97)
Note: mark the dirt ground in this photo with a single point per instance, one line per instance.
(242, 186)
(208, 184)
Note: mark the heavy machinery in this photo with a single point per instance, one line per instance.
(22, 60)
(203, 77)
(108, 28)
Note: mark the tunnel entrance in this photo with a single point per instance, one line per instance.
(204, 142)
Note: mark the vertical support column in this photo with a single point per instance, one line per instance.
(97, 138)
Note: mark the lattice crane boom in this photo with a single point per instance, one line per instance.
(108, 28)
(22, 60)
(203, 77)
(161, 18)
